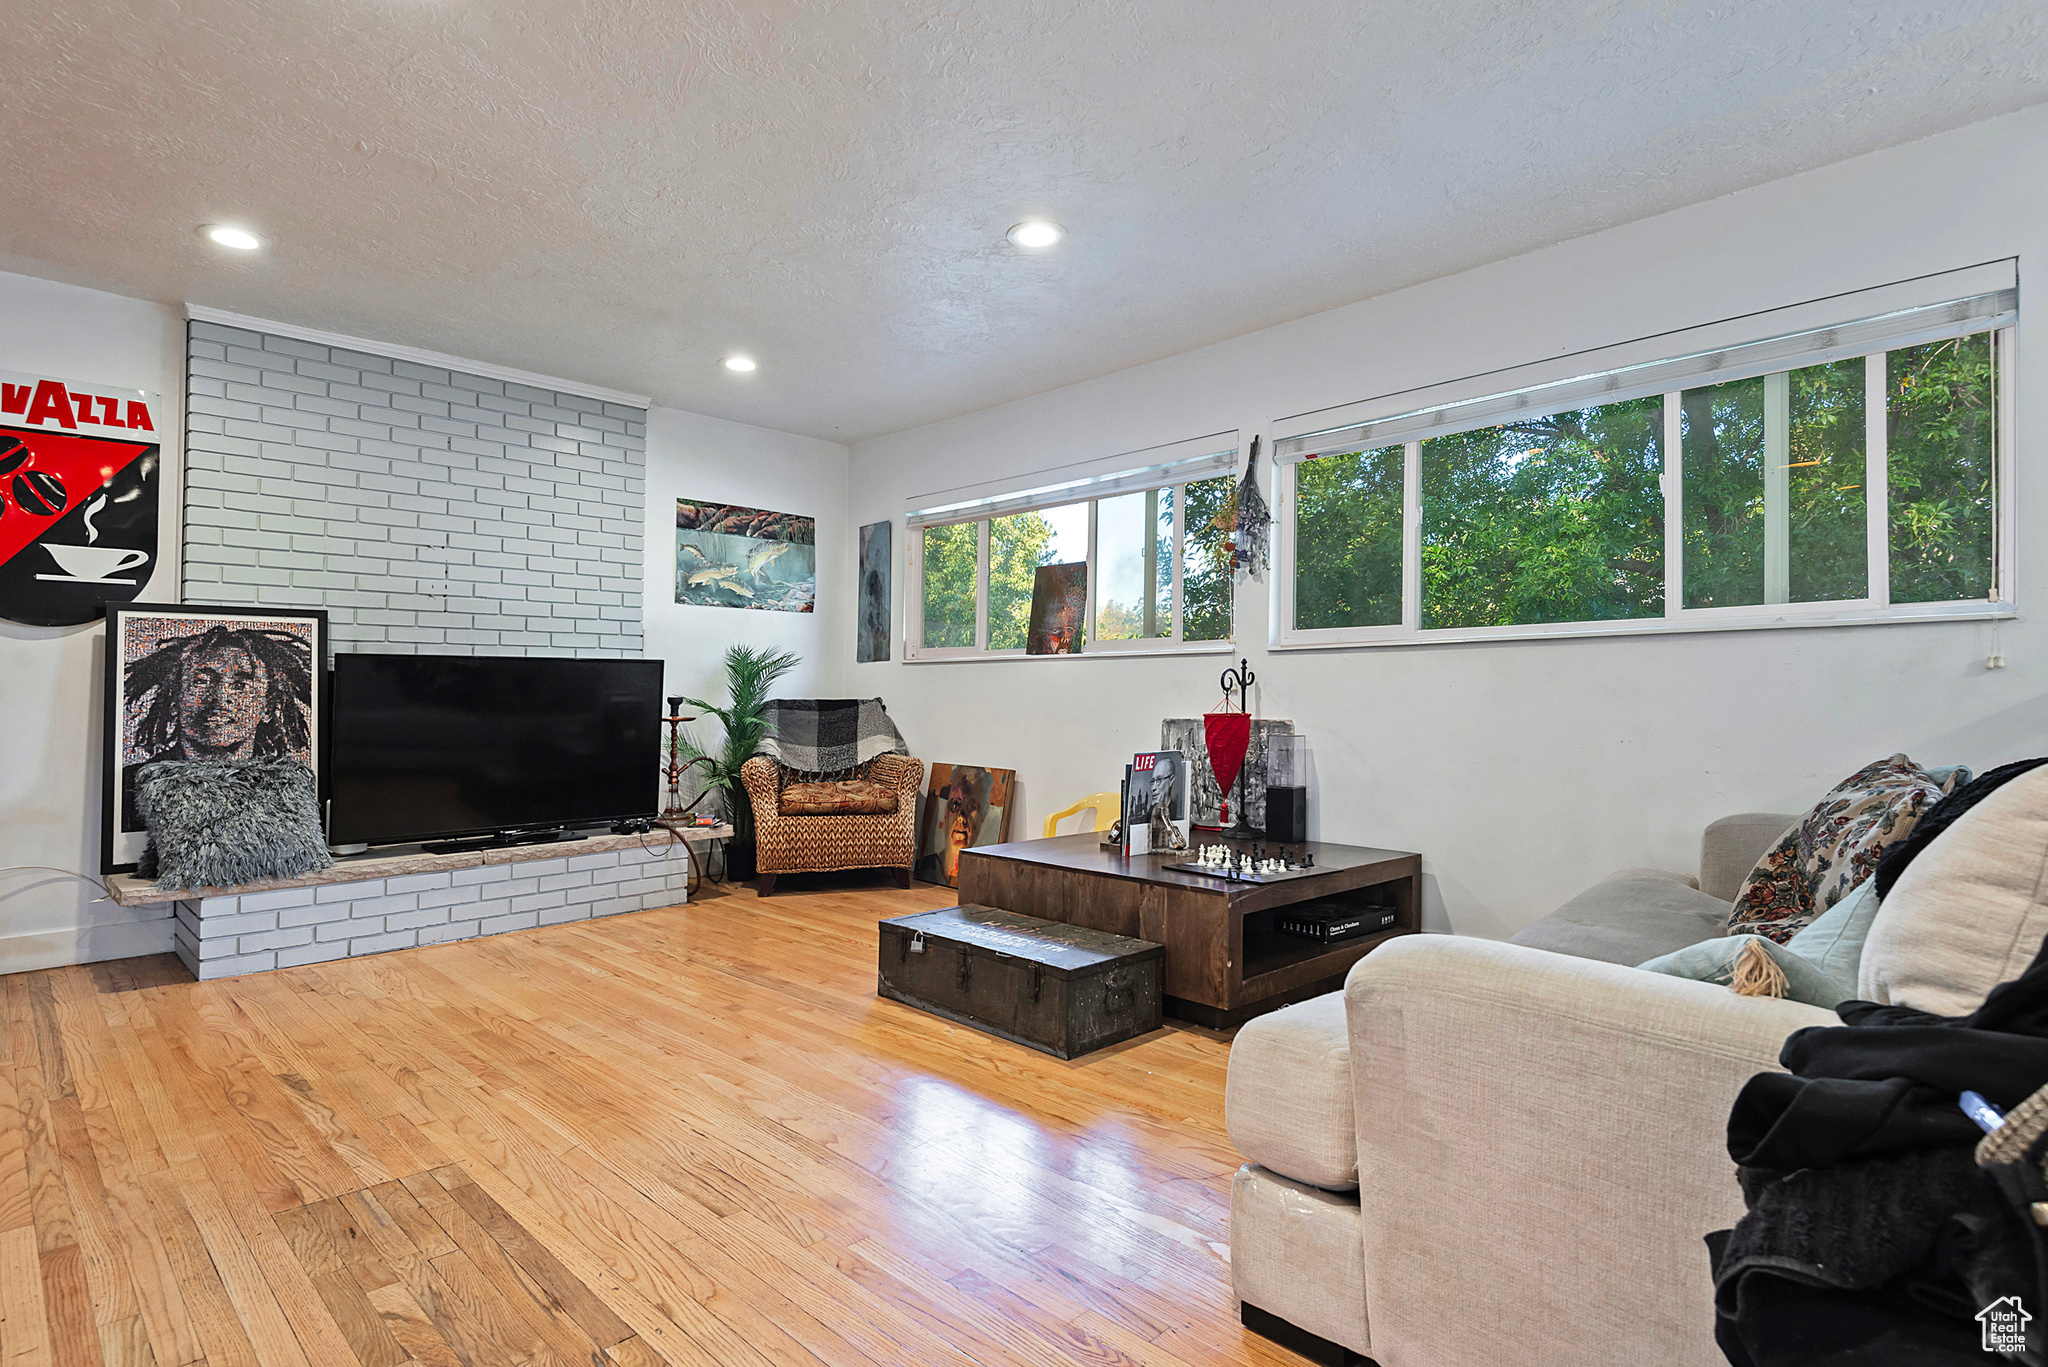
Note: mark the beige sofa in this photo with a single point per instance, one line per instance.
(1487, 1153)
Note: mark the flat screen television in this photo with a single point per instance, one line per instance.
(425, 747)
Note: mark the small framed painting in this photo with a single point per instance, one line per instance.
(191, 682)
(966, 807)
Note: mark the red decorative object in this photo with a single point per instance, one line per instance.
(1228, 736)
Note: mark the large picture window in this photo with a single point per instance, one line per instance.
(1158, 557)
(1862, 487)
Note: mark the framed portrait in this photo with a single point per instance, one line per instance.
(966, 807)
(187, 681)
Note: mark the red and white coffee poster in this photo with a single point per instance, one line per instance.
(79, 471)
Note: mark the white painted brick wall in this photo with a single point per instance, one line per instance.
(429, 511)
(218, 937)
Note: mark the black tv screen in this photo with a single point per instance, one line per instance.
(428, 746)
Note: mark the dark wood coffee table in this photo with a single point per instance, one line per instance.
(1225, 963)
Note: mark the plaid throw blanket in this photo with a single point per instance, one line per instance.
(829, 737)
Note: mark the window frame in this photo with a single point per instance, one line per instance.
(916, 652)
(1875, 608)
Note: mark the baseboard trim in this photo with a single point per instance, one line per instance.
(85, 944)
(1268, 1325)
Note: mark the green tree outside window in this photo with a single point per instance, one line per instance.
(1557, 519)
(950, 563)
(1941, 458)
(1347, 539)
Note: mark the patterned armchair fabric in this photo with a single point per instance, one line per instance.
(815, 844)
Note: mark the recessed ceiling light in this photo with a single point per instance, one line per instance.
(1035, 232)
(241, 239)
(739, 363)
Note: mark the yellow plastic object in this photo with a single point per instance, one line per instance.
(1104, 806)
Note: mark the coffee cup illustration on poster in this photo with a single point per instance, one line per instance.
(79, 467)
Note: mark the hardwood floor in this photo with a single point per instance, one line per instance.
(684, 1136)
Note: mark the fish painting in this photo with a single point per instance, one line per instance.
(734, 557)
(758, 558)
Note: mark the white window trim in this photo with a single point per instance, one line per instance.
(916, 652)
(1876, 609)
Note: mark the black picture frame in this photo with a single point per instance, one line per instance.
(121, 843)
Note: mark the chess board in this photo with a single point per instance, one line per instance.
(1231, 876)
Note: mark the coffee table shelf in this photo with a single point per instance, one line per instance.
(1225, 963)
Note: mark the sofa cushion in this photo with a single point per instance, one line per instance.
(1834, 942)
(841, 797)
(1287, 1095)
(1730, 847)
(1713, 961)
(1970, 911)
(1299, 1253)
(1630, 917)
(1835, 846)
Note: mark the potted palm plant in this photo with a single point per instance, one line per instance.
(749, 674)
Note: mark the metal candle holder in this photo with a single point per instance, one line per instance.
(1241, 679)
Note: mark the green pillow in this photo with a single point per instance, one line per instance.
(1833, 942)
(1713, 961)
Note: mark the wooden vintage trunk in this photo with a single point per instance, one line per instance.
(1060, 988)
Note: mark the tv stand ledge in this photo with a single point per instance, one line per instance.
(503, 840)
(125, 889)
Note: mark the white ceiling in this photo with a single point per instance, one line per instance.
(623, 191)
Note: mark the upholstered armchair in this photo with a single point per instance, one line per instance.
(868, 823)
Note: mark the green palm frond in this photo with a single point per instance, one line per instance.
(750, 672)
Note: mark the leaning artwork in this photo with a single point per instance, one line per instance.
(733, 557)
(967, 807)
(1059, 609)
(204, 683)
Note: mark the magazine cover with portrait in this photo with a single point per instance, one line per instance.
(193, 683)
(1156, 814)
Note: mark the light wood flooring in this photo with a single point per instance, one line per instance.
(685, 1136)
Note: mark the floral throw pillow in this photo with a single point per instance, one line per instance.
(1836, 846)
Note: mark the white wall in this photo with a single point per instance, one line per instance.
(708, 459)
(1522, 771)
(50, 677)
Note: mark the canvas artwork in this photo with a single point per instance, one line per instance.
(871, 638)
(1205, 798)
(732, 557)
(190, 682)
(1059, 609)
(967, 807)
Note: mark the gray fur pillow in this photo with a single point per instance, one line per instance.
(224, 823)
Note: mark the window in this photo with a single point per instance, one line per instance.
(1941, 439)
(1018, 545)
(1347, 539)
(1557, 519)
(1862, 487)
(951, 557)
(1156, 540)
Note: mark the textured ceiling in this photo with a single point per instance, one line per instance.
(623, 191)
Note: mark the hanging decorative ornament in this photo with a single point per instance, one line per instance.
(1228, 736)
(1252, 520)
